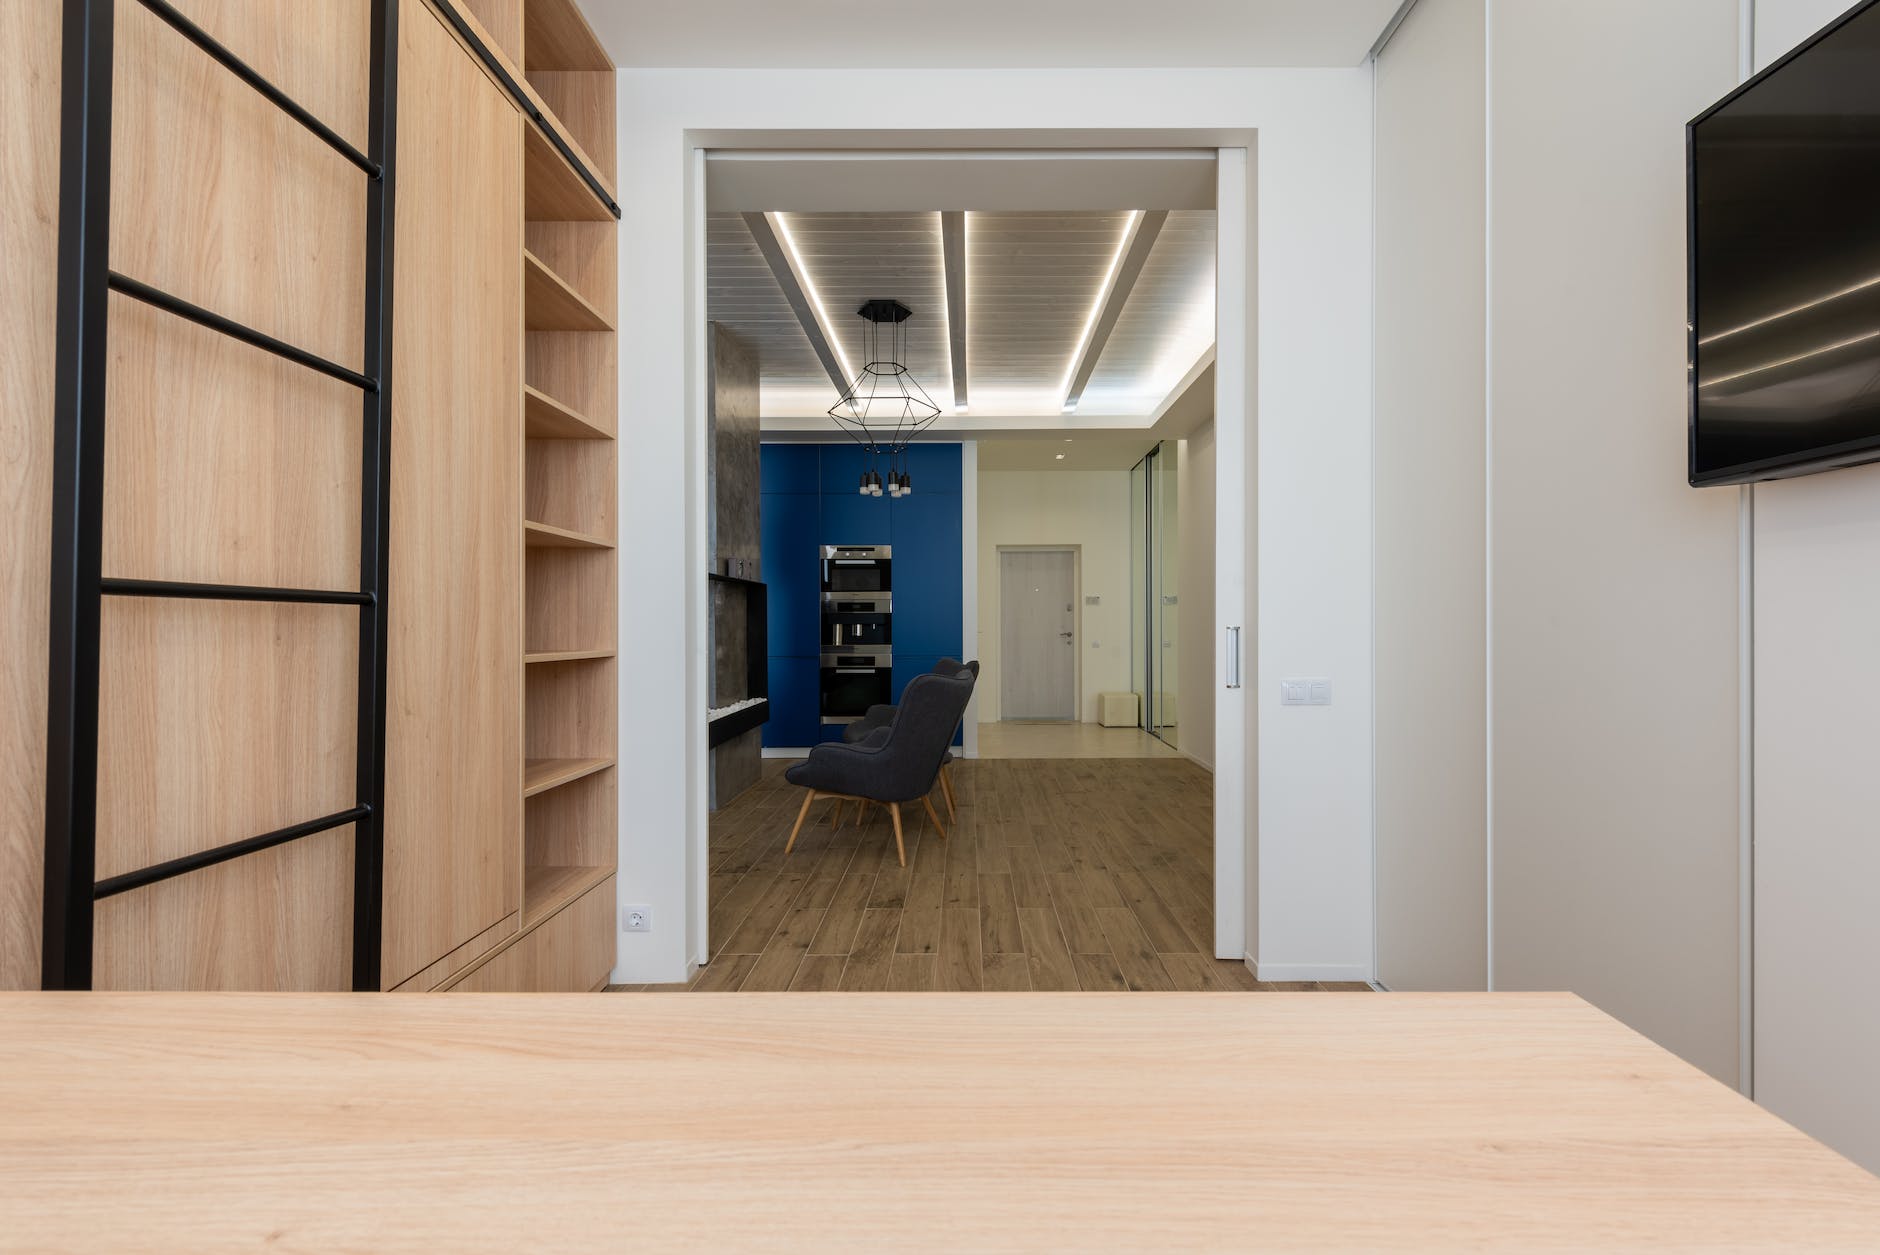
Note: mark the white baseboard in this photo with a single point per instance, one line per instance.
(1340, 972)
(1198, 761)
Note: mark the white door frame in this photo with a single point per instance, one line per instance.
(1236, 480)
(1077, 620)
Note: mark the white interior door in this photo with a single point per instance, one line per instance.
(1037, 634)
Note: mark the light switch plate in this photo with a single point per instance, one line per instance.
(1305, 691)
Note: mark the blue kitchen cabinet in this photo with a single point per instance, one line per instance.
(791, 468)
(788, 526)
(854, 520)
(907, 666)
(794, 719)
(935, 468)
(929, 588)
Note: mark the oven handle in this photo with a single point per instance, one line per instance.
(857, 670)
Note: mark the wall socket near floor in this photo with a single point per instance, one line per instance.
(636, 917)
(1306, 691)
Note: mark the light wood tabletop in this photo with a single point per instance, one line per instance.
(903, 1122)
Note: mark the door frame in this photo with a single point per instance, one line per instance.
(1077, 622)
(1236, 606)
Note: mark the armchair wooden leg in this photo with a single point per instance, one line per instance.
(900, 846)
(800, 817)
(933, 815)
(946, 791)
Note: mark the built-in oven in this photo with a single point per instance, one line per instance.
(857, 568)
(857, 620)
(853, 680)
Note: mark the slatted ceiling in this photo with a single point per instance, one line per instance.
(853, 258)
(744, 296)
(1032, 279)
(1166, 325)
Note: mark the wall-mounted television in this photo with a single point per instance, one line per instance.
(1784, 258)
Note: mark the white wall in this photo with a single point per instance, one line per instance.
(1432, 577)
(1817, 677)
(1612, 584)
(1087, 510)
(1611, 587)
(1312, 391)
(1195, 681)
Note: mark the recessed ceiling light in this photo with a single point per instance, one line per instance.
(1060, 457)
(1067, 440)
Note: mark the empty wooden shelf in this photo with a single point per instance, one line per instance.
(552, 190)
(542, 774)
(548, 419)
(550, 304)
(566, 655)
(557, 37)
(546, 536)
(551, 888)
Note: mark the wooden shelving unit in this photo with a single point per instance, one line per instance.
(569, 407)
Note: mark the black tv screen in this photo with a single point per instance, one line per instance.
(1785, 264)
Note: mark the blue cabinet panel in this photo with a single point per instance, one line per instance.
(934, 467)
(856, 520)
(842, 467)
(788, 533)
(793, 468)
(794, 719)
(928, 586)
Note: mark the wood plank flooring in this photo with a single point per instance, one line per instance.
(1057, 874)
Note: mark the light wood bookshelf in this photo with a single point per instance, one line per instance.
(569, 407)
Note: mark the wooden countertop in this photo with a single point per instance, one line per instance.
(885, 1122)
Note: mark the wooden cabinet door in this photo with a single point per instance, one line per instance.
(453, 793)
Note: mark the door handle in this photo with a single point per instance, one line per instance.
(1067, 635)
(1233, 657)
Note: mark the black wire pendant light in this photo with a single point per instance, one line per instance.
(885, 407)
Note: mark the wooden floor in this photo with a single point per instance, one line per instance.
(1023, 739)
(1061, 874)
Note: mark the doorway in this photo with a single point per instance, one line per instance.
(1038, 634)
(1155, 577)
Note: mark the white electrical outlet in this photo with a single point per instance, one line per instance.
(1310, 691)
(637, 918)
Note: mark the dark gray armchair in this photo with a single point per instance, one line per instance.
(899, 764)
(869, 727)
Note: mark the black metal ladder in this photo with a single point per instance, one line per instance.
(78, 585)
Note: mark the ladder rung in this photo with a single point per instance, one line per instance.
(247, 74)
(141, 291)
(232, 592)
(223, 853)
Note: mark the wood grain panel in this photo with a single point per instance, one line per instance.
(219, 721)
(555, 192)
(502, 25)
(578, 369)
(570, 599)
(317, 53)
(277, 920)
(559, 38)
(454, 743)
(584, 255)
(572, 484)
(223, 463)
(569, 952)
(443, 970)
(583, 102)
(573, 825)
(223, 200)
(29, 208)
(571, 709)
(907, 1122)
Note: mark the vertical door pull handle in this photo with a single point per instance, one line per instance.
(1233, 657)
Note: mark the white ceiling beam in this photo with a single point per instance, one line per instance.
(800, 291)
(953, 250)
(1133, 252)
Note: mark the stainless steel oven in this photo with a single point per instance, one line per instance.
(857, 568)
(853, 680)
